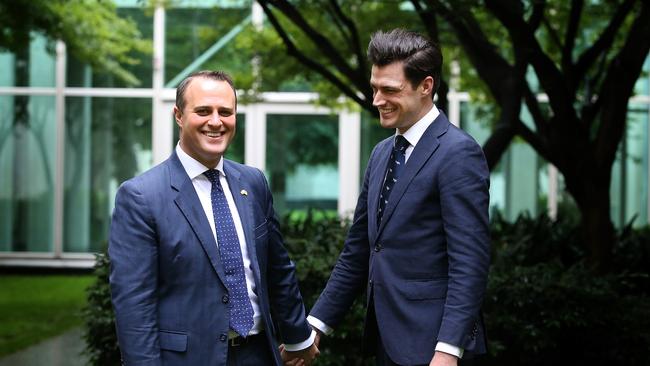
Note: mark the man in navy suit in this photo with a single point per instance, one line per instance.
(197, 260)
(419, 242)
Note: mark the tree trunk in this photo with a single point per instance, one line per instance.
(591, 193)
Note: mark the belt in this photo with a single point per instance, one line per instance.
(241, 341)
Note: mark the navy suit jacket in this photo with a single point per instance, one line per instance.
(425, 265)
(166, 277)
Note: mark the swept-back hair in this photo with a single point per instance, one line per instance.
(420, 56)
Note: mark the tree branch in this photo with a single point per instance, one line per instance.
(355, 41)
(618, 85)
(538, 14)
(308, 62)
(570, 35)
(489, 64)
(604, 42)
(523, 38)
(320, 41)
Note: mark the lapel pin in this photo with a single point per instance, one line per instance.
(244, 192)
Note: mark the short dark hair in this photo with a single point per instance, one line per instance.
(207, 74)
(420, 56)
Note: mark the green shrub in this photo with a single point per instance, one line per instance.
(314, 242)
(545, 307)
(101, 340)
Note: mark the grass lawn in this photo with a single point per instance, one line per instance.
(36, 307)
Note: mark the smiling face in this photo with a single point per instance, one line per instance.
(207, 122)
(400, 104)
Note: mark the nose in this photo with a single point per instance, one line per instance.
(377, 99)
(215, 119)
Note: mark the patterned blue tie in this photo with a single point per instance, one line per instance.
(395, 167)
(241, 311)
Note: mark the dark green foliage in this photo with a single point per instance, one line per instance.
(543, 306)
(314, 245)
(100, 337)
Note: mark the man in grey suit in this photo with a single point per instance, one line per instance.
(198, 262)
(419, 242)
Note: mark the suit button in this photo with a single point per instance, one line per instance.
(370, 282)
(378, 247)
(223, 337)
(225, 299)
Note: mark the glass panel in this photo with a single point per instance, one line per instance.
(79, 74)
(629, 189)
(27, 151)
(371, 134)
(475, 122)
(302, 161)
(32, 66)
(237, 149)
(108, 140)
(522, 180)
(193, 31)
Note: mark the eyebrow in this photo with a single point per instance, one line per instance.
(386, 86)
(220, 109)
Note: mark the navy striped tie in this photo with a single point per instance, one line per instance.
(395, 167)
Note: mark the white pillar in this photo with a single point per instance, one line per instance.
(551, 204)
(255, 139)
(59, 180)
(349, 161)
(162, 132)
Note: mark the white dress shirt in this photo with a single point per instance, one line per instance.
(203, 188)
(413, 136)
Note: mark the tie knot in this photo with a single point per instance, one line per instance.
(212, 175)
(401, 143)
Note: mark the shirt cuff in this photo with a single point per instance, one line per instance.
(318, 324)
(448, 348)
(302, 345)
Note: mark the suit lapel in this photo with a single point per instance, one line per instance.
(427, 145)
(188, 202)
(239, 190)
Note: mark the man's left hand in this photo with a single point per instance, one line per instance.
(443, 359)
(299, 358)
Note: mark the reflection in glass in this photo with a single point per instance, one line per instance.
(191, 31)
(31, 66)
(27, 150)
(629, 188)
(79, 74)
(371, 134)
(302, 161)
(519, 182)
(108, 140)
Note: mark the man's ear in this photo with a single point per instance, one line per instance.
(427, 85)
(177, 116)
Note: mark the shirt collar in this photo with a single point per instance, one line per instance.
(414, 134)
(192, 167)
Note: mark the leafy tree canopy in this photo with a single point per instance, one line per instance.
(92, 30)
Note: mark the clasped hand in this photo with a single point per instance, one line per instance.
(303, 357)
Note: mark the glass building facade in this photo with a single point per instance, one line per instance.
(69, 136)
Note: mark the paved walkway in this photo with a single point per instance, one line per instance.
(63, 350)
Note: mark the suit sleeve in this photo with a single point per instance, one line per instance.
(284, 293)
(350, 274)
(134, 277)
(464, 200)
